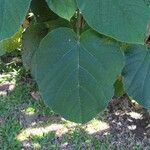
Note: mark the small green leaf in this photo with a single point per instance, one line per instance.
(137, 74)
(64, 8)
(119, 87)
(76, 77)
(12, 14)
(123, 20)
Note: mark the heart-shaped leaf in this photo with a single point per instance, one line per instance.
(64, 8)
(76, 77)
(137, 74)
(123, 20)
(12, 14)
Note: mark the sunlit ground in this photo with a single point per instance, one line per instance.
(7, 82)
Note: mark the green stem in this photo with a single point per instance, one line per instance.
(79, 22)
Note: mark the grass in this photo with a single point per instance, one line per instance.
(26, 123)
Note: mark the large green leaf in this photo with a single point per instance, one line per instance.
(41, 11)
(64, 8)
(137, 74)
(12, 14)
(123, 20)
(76, 77)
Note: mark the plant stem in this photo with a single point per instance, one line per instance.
(79, 22)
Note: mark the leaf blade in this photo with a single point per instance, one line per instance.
(136, 73)
(12, 14)
(70, 78)
(64, 9)
(121, 21)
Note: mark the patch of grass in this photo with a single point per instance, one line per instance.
(76, 140)
(10, 126)
(15, 98)
(8, 133)
(12, 104)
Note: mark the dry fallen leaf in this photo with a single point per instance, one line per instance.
(36, 95)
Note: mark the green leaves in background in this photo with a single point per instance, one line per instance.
(64, 8)
(41, 11)
(125, 21)
(2, 52)
(75, 77)
(12, 14)
(31, 40)
(33, 36)
(137, 74)
(12, 43)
